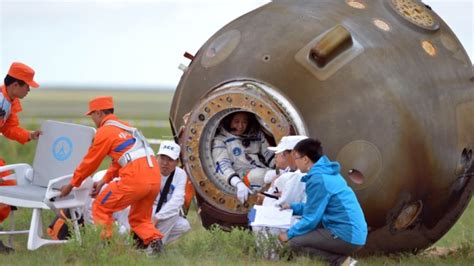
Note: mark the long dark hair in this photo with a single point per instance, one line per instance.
(253, 126)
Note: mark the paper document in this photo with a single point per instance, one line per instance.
(272, 216)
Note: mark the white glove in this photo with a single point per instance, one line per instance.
(269, 176)
(242, 190)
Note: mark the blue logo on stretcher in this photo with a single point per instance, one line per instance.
(62, 148)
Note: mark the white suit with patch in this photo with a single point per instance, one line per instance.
(232, 157)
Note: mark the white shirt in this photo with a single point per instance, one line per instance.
(291, 187)
(276, 185)
(175, 197)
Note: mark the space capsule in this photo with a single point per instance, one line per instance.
(385, 85)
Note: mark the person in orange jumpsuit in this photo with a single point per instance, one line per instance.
(133, 162)
(16, 86)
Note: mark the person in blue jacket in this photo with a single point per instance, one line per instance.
(332, 225)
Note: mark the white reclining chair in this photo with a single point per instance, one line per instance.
(60, 149)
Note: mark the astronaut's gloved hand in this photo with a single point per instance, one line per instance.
(242, 190)
(270, 176)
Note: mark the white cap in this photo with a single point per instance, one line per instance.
(287, 143)
(170, 149)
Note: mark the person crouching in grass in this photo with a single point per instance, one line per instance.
(333, 225)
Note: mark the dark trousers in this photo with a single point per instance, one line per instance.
(323, 244)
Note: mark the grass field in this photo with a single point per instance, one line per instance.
(67, 104)
(198, 247)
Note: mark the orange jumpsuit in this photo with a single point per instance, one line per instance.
(10, 128)
(138, 186)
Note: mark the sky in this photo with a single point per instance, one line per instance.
(136, 43)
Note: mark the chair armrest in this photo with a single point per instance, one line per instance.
(51, 192)
(99, 175)
(77, 198)
(23, 173)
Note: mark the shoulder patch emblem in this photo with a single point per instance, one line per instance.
(237, 151)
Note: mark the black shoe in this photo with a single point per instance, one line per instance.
(5, 249)
(138, 242)
(155, 248)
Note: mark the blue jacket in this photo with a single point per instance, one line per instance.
(330, 202)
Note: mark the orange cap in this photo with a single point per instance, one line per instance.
(24, 73)
(100, 103)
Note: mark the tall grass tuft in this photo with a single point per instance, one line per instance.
(236, 244)
(92, 249)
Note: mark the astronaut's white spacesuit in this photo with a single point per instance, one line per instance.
(244, 157)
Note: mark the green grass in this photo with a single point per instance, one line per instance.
(213, 247)
(61, 104)
(199, 246)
